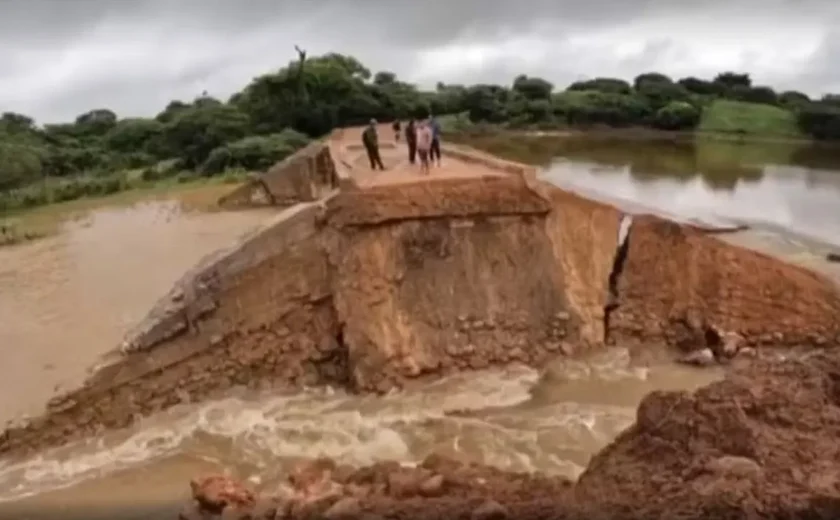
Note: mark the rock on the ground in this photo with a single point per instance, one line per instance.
(490, 510)
(731, 344)
(702, 357)
(215, 492)
(738, 467)
(347, 507)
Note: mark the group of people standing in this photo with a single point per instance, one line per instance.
(421, 136)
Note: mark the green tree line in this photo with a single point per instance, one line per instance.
(278, 113)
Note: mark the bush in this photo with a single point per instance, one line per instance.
(62, 190)
(162, 170)
(255, 153)
(590, 107)
(455, 123)
(819, 120)
(677, 115)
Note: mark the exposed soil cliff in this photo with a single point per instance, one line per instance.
(760, 444)
(371, 288)
(685, 287)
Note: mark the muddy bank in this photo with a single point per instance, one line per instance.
(759, 444)
(375, 288)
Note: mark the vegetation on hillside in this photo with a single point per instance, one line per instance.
(277, 113)
(750, 119)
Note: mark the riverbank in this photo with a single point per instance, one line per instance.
(26, 225)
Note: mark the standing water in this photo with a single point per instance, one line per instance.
(69, 299)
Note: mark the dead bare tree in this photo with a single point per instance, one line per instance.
(299, 80)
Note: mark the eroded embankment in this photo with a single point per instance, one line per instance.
(306, 176)
(760, 444)
(373, 288)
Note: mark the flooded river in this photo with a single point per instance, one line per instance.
(66, 300)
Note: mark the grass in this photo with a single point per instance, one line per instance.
(194, 194)
(749, 120)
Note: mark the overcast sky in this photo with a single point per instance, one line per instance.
(59, 58)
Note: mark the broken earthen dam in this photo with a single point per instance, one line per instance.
(370, 281)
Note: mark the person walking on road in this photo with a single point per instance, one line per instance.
(434, 151)
(424, 145)
(397, 126)
(371, 141)
(411, 140)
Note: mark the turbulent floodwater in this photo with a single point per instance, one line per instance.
(66, 300)
(513, 418)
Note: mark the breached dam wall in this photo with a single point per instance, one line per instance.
(305, 176)
(372, 288)
(443, 276)
(680, 285)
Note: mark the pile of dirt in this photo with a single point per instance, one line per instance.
(763, 443)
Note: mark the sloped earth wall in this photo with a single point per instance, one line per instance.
(373, 289)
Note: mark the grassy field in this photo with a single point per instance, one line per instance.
(749, 120)
(33, 223)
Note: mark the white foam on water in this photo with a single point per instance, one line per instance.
(311, 423)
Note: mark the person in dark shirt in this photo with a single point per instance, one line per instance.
(371, 141)
(434, 151)
(411, 139)
(397, 126)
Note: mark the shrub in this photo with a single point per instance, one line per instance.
(254, 153)
(677, 115)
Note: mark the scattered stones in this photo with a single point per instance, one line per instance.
(357, 493)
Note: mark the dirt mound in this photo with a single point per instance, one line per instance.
(764, 440)
(760, 444)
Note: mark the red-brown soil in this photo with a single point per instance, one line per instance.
(763, 443)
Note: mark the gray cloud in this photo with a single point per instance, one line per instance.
(61, 58)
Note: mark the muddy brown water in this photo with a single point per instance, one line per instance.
(66, 300)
